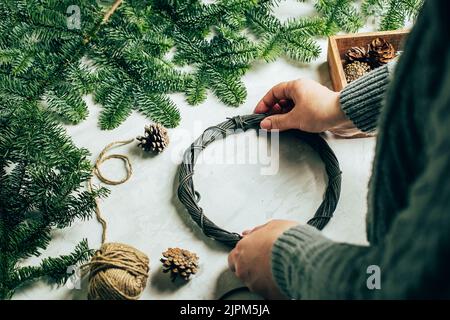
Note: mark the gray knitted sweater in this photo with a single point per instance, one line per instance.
(408, 218)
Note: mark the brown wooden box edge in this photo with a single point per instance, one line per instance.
(339, 44)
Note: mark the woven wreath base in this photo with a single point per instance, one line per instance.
(189, 197)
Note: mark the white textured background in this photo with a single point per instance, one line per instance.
(145, 213)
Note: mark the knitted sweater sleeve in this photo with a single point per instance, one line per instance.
(362, 99)
(412, 257)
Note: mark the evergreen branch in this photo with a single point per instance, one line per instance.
(196, 90)
(28, 238)
(133, 38)
(394, 13)
(306, 27)
(158, 108)
(66, 104)
(227, 87)
(41, 177)
(262, 22)
(116, 108)
(339, 14)
(269, 47)
(55, 268)
(302, 49)
(373, 7)
(413, 7)
(397, 12)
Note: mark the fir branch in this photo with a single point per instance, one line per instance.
(139, 65)
(269, 47)
(339, 15)
(55, 268)
(158, 107)
(28, 238)
(393, 13)
(301, 49)
(219, 64)
(397, 12)
(196, 90)
(373, 8)
(293, 38)
(42, 175)
(261, 21)
(227, 87)
(394, 18)
(133, 38)
(116, 106)
(66, 104)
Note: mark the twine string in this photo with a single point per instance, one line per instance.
(97, 172)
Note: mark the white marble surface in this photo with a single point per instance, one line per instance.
(144, 212)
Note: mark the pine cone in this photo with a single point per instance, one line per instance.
(179, 262)
(356, 70)
(357, 54)
(381, 52)
(155, 138)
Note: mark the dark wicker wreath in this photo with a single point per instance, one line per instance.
(190, 197)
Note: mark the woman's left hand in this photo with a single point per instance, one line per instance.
(250, 260)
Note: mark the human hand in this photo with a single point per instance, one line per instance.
(301, 104)
(250, 260)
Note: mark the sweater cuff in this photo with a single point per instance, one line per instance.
(362, 99)
(295, 255)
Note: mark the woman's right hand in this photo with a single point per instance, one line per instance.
(301, 104)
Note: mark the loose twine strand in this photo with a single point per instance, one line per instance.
(190, 198)
(97, 172)
(111, 11)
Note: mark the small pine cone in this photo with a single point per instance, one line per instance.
(357, 54)
(381, 52)
(179, 262)
(155, 139)
(356, 70)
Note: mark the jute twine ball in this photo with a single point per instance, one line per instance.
(117, 272)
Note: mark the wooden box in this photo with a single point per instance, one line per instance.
(338, 46)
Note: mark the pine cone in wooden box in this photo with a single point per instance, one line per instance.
(357, 54)
(381, 52)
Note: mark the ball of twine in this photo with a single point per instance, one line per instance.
(190, 198)
(116, 271)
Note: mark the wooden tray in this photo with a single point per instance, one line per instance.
(338, 46)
